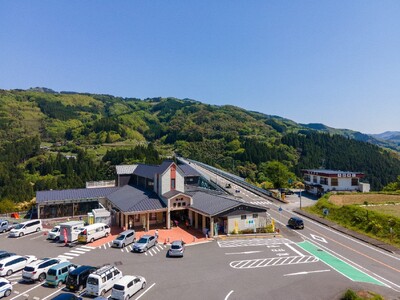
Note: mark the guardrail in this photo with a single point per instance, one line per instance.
(236, 179)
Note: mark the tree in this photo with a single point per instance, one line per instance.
(277, 173)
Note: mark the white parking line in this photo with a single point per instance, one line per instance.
(88, 247)
(227, 296)
(76, 251)
(64, 256)
(83, 249)
(145, 291)
(40, 284)
(304, 273)
(293, 249)
(52, 293)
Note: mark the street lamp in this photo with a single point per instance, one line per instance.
(300, 198)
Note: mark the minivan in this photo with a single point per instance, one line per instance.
(37, 270)
(127, 286)
(26, 227)
(57, 274)
(14, 263)
(99, 282)
(76, 280)
(124, 238)
(296, 222)
(93, 232)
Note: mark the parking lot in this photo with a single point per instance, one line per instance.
(217, 270)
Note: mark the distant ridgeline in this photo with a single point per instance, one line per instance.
(52, 140)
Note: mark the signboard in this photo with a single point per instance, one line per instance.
(250, 223)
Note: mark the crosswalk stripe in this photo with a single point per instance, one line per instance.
(69, 253)
(64, 256)
(76, 251)
(83, 249)
(88, 247)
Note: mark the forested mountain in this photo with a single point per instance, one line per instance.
(51, 140)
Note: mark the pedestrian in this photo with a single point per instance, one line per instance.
(156, 234)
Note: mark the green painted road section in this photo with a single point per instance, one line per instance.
(338, 264)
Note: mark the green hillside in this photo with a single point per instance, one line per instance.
(41, 129)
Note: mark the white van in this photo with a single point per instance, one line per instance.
(102, 280)
(93, 232)
(26, 227)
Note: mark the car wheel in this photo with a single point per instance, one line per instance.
(123, 245)
(57, 238)
(92, 240)
(144, 249)
(80, 287)
(7, 293)
(143, 285)
(38, 229)
(103, 292)
(59, 283)
(42, 277)
(107, 234)
(21, 234)
(127, 297)
(9, 272)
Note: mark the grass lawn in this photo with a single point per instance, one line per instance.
(389, 209)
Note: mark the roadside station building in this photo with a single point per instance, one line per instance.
(165, 195)
(320, 181)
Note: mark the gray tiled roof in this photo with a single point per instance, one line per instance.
(131, 199)
(170, 194)
(164, 166)
(188, 170)
(125, 169)
(146, 171)
(73, 194)
(212, 204)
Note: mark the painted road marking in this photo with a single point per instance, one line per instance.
(76, 251)
(339, 265)
(146, 291)
(69, 253)
(227, 296)
(318, 238)
(254, 242)
(275, 261)
(305, 273)
(83, 249)
(246, 252)
(64, 256)
(293, 249)
(88, 247)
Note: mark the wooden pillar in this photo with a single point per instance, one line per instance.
(203, 221)
(168, 219)
(190, 217)
(147, 221)
(196, 220)
(38, 211)
(126, 221)
(211, 226)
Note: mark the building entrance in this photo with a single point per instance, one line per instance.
(179, 217)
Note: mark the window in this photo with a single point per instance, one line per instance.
(183, 203)
(173, 184)
(153, 216)
(243, 217)
(315, 179)
(354, 181)
(323, 180)
(116, 272)
(179, 204)
(174, 205)
(109, 276)
(334, 182)
(255, 216)
(307, 177)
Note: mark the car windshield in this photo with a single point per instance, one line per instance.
(52, 272)
(29, 269)
(3, 283)
(175, 247)
(118, 287)
(55, 230)
(92, 280)
(19, 226)
(1, 266)
(121, 237)
(143, 241)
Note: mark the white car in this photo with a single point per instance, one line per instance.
(127, 286)
(54, 234)
(5, 288)
(14, 263)
(37, 270)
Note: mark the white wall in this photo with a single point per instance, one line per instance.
(261, 221)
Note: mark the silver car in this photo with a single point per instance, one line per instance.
(177, 249)
(145, 242)
(124, 238)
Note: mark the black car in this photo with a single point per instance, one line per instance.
(4, 254)
(76, 280)
(66, 296)
(296, 223)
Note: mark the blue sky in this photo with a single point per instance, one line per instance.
(331, 62)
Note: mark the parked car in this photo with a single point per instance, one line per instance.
(127, 286)
(93, 232)
(145, 242)
(5, 288)
(54, 234)
(124, 238)
(296, 223)
(285, 191)
(57, 275)
(6, 225)
(76, 280)
(26, 227)
(37, 270)
(177, 248)
(15, 263)
(4, 254)
(102, 280)
(66, 296)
